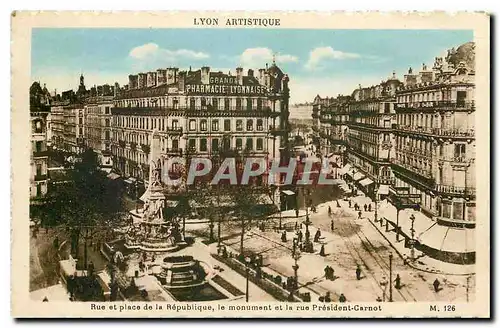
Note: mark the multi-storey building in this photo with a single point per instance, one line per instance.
(200, 112)
(370, 140)
(57, 124)
(39, 109)
(335, 119)
(97, 128)
(435, 148)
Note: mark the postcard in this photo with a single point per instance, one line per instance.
(250, 164)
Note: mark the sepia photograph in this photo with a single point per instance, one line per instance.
(246, 165)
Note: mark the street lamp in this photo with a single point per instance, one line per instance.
(383, 283)
(295, 267)
(247, 269)
(412, 241)
(390, 277)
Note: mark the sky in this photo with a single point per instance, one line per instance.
(324, 62)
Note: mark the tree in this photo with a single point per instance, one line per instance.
(87, 204)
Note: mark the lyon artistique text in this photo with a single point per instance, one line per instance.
(207, 21)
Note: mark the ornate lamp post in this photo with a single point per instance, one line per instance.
(383, 283)
(412, 241)
(247, 270)
(295, 267)
(390, 277)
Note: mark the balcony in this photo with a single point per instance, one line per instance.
(456, 161)
(456, 190)
(456, 133)
(174, 130)
(415, 169)
(40, 177)
(465, 105)
(385, 180)
(417, 151)
(40, 153)
(173, 151)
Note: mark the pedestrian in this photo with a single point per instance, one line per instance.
(338, 204)
(296, 225)
(358, 272)
(327, 272)
(296, 212)
(436, 285)
(359, 215)
(328, 299)
(90, 269)
(322, 250)
(45, 299)
(342, 298)
(365, 207)
(350, 203)
(369, 207)
(329, 211)
(283, 237)
(332, 225)
(398, 282)
(300, 236)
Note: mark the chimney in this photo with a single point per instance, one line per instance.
(250, 72)
(261, 75)
(132, 82)
(161, 76)
(239, 75)
(151, 79)
(182, 81)
(205, 75)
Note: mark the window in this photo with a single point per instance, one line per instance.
(226, 104)
(215, 144)
(215, 103)
(203, 144)
(239, 125)
(387, 108)
(175, 124)
(259, 103)
(80, 121)
(106, 110)
(249, 103)
(203, 103)
(107, 122)
(38, 189)
(192, 144)
(215, 125)
(175, 144)
(175, 103)
(38, 146)
(227, 125)
(460, 150)
(39, 169)
(249, 145)
(80, 130)
(203, 125)
(239, 143)
(249, 125)
(106, 135)
(192, 103)
(192, 125)
(260, 144)
(226, 143)
(260, 125)
(238, 103)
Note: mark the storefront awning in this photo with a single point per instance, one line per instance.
(383, 190)
(345, 169)
(288, 192)
(366, 182)
(358, 176)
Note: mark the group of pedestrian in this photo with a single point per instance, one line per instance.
(329, 273)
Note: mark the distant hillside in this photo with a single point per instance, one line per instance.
(301, 111)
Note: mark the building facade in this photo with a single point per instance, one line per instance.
(199, 112)
(435, 148)
(39, 110)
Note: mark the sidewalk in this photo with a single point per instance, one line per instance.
(423, 262)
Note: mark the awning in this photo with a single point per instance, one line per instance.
(365, 182)
(358, 176)
(288, 192)
(345, 169)
(113, 176)
(106, 169)
(383, 190)
(131, 180)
